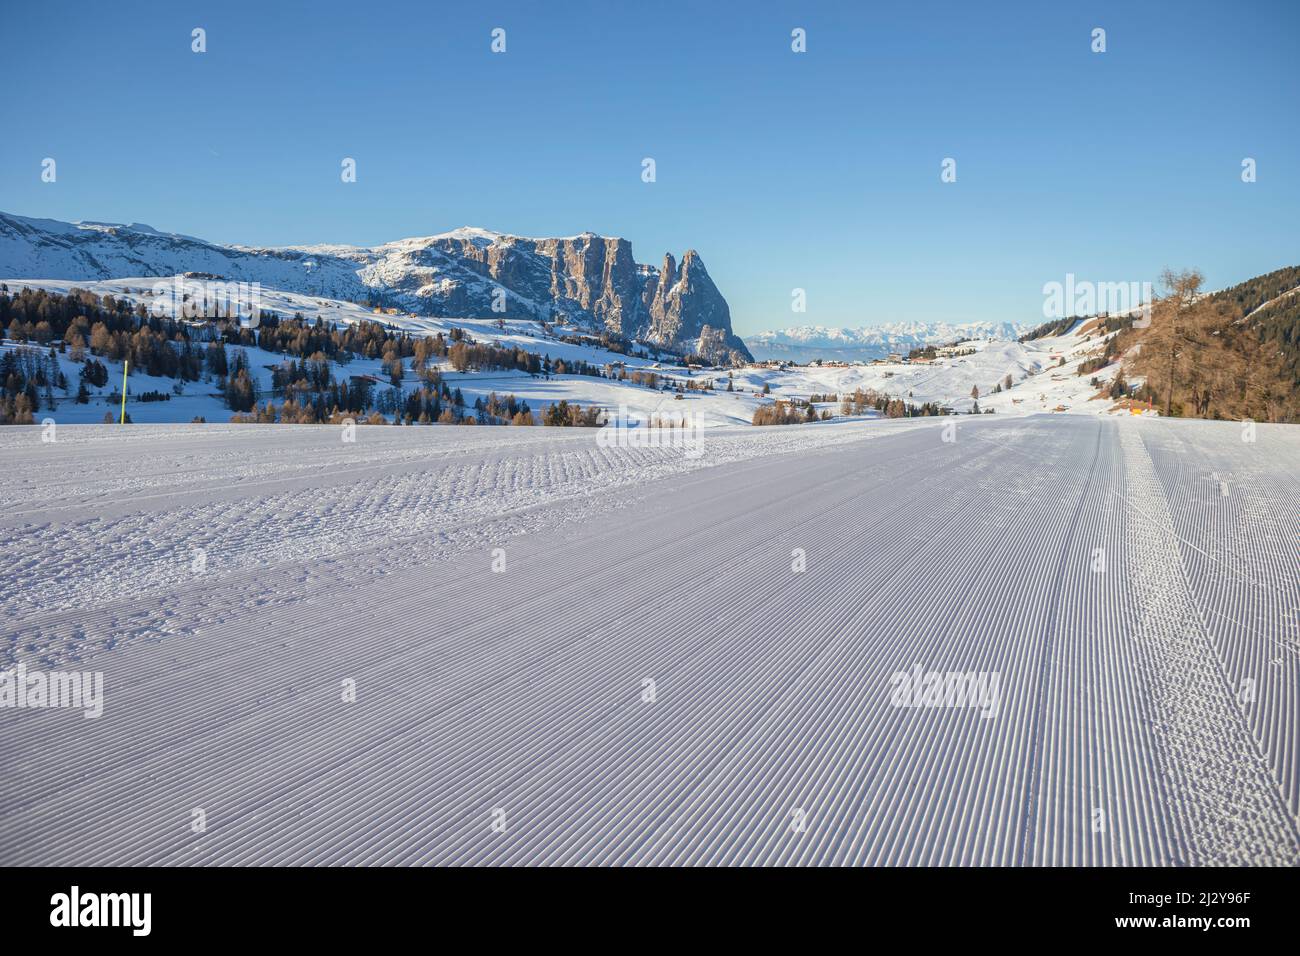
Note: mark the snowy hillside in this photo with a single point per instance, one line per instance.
(1015, 378)
(1037, 383)
(202, 399)
(47, 248)
(1060, 385)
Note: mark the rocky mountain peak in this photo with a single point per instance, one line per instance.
(590, 279)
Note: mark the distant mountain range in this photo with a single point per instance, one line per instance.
(471, 273)
(810, 342)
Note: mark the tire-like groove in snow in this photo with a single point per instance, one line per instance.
(1228, 804)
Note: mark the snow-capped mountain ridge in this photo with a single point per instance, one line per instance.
(801, 343)
(586, 279)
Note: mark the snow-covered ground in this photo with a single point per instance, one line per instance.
(1057, 387)
(1039, 385)
(200, 399)
(947, 381)
(1038, 382)
(567, 653)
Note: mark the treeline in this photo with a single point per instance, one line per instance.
(310, 387)
(423, 406)
(782, 412)
(636, 377)
(608, 341)
(109, 327)
(565, 414)
(42, 318)
(1248, 296)
(301, 338)
(1277, 324)
(1054, 327)
(863, 399)
(1108, 355)
(291, 413)
(1200, 359)
(27, 377)
(467, 357)
(796, 411)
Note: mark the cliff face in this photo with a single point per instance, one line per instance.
(684, 305)
(593, 280)
(596, 275)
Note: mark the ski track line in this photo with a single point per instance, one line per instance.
(1256, 623)
(1045, 666)
(1231, 809)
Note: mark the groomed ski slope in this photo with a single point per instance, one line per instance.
(1122, 578)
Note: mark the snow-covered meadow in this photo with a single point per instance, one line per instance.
(512, 645)
(1038, 384)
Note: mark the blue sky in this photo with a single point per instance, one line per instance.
(817, 171)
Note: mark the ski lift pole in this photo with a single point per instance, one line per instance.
(126, 364)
